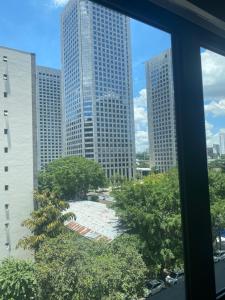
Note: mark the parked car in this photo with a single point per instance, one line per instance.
(155, 286)
(173, 277)
(219, 255)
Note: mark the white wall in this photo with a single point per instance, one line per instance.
(21, 143)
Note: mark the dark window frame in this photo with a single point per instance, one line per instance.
(187, 39)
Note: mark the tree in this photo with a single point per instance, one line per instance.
(143, 155)
(117, 179)
(218, 164)
(72, 177)
(217, 199)
(47, 221)
(18, 280)
(79, 269)
(151, 210)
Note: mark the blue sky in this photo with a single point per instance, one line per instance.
(34, 26)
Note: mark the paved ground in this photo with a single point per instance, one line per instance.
(177, 292)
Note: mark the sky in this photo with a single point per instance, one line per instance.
(34, 26)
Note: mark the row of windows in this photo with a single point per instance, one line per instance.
(49, 75)
(6, 169)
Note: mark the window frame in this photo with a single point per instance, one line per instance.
(187, 39)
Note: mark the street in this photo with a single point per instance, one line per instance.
(177, 292)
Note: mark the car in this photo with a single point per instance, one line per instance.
(155, 286)
(173, 277)
(219, 255)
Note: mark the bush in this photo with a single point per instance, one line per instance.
(18, 280)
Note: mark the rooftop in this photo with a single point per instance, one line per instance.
(96, 220)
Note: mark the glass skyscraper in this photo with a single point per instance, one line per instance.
(222, 143)
(49, 115)
(161, 112)
(98, 104)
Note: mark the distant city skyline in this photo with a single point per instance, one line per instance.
(34, 26)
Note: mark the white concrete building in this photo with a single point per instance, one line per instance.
(17, 147)
(222, 143)
(161, 112)
(98, 102)
(49, 115)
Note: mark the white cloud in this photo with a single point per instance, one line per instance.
(140, 118)
(141, 99)
(58, 3)
(213, 70)
(217, 108)
(141, 139)
(209, 134)
(212, 138)
(141, 121)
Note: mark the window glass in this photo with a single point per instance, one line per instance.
(213, 68)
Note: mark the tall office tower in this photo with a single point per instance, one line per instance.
(49, 115)
(161, 113)
(222, 143)
(216, 150)
(96, 59)
(17, 147)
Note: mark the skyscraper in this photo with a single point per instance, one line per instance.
(161, 113)
(222, 143)
(49, 115)
(98, 104)
(17, 147)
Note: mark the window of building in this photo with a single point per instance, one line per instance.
(5, 94)
(6, 187)
(6, 168)
(5, 131)
(5, 76)
(6, 149)
(5, 58)
(5, 112)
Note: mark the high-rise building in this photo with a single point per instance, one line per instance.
(49, 115)
(17, 147)
(213, 152)
(216, 150)
(222, 143)
(98, 104)
(161, 112)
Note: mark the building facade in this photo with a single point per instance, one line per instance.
(161, 112)
(213, 152)
(17, 147)
(98, 102)
(49, 115)
(222, 143)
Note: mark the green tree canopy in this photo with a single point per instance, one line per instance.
(18, 280)
(46, 221)
(79, 269)
(151, 210)
(218, 163)
(72, 176)
(217, 199)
